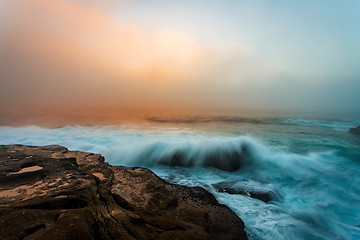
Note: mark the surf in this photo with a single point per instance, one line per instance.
(286, 181)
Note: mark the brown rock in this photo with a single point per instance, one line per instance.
(52, 193)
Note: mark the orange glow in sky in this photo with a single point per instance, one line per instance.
(74, 51)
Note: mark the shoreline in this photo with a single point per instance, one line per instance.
(50, 192)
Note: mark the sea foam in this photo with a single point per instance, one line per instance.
(314, 192)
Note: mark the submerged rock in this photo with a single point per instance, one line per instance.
(259, 190)
(355, 130)
(52, 193)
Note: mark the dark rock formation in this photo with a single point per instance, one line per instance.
(52, 193)
(355, 130)
(260, 190)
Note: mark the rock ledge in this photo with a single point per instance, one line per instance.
(52, 193)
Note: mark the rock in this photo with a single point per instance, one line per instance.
(52, 193)
(255, 189)
(355, 130)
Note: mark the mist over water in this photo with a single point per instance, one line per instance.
(309, 167)
(250, 55)
(64, 62)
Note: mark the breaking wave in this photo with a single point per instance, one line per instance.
(225, 154)
(307, 183)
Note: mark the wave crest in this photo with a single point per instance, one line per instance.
(224, 154)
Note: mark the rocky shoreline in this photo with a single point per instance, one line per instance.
(52, 193)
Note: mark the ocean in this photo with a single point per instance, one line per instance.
(286, 178)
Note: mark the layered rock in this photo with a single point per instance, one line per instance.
(52, 193)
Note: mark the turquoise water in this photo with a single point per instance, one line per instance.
(310, 167)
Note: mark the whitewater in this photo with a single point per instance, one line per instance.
(308, 169)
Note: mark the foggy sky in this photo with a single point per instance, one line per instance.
(283, 55)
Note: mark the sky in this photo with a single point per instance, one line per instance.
(231, 55)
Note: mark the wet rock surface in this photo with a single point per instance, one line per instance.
(355, 130)
(262, 191)
(52, 193)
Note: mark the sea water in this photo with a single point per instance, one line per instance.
(309, 167)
